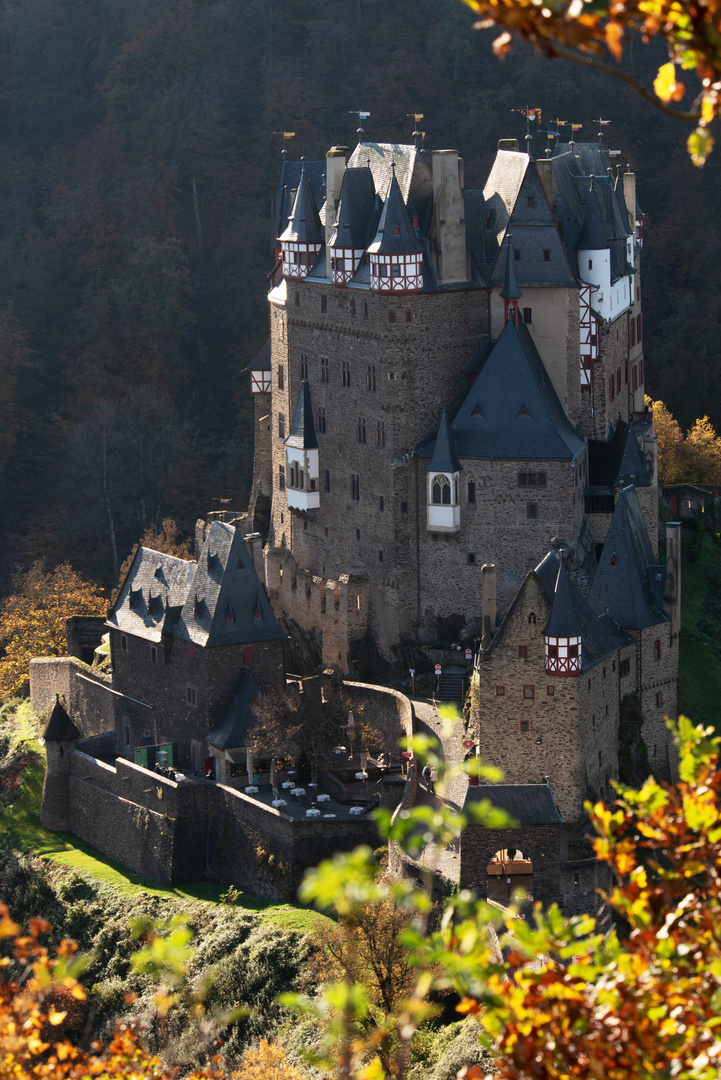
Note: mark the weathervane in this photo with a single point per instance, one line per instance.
(417, 135)
(286, 135)
(572, 141)
(530, 114)
(601, 124)
(362, 115)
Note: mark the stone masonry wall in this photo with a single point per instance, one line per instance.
(539, 843)
(90, 705)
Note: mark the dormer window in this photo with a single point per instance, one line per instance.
(258, 614)
(230, 614)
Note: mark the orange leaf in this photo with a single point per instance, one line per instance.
(502, 44)
(614, 37)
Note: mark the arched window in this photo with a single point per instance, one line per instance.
(441, 491)
(532, 618)
(471, 489)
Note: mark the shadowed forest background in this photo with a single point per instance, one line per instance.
(138, 166)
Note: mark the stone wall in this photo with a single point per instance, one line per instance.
(83, 690)
(539, 843)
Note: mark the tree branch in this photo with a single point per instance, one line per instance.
(637, 86)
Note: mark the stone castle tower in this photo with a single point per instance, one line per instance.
(454, 377)
(60, 736)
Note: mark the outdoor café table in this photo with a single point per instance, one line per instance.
(324, 798)
(328, 815)
(312, 813)
(361, 776)
(356, 810)
(288, 784)
(251, 790)
(277, 803)
(297, 792)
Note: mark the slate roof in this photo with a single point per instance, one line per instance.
(541, 259)
(501, 190)
(357, 212)
(302, 432)
(304, 222)
(475, 211)
(60, 727)
(528, 804)
(564, 620)
(289, 182)
(152, 594)
(225, 595)
(593, 235)
(618, 462)
(412, 171)
(395, 235)
(511, 411)
(443, 459)
(261, 360)
(628, 584)
(600, 635)
(510, 289)
(232, 731)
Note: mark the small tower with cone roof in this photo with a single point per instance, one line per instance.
(301, 456)
(396, 254)
(510, 293)
(444, 511)
(303, 237)
(562, 634)
(60, 737)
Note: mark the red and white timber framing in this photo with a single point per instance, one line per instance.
(588, 336)
(343, 264)
(298, 259)
(397, 273)
(563, 655)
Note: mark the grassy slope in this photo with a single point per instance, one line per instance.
(21, 822)
(700, 640)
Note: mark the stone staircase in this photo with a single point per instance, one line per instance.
(452, 685)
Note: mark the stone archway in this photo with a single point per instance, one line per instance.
(509, 872)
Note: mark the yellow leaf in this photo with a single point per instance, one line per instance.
(614, 37)
(699, 145)
(56, 1018)
(707, 110)
(664, 84)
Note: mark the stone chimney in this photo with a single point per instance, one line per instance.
(335, 161)
(629, 194)
(488, 604)
(545, 171)
(254, 541)
(672, 584)
(449, 217)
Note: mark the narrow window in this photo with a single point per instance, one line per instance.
(517, 254)
(191, 695)
(380, 433)
(345, 372)
(123, 643)
(258, 612)
(532, 619)
(371, 378)
(153, 654)
(380, 556)
(327, 480)
(531, 201)
(625, 667)
(127, 735)
(357, 534)
(365, 310)
(381, 503)
(590, 264)
(529, 692)
(303, 366)
(527, 315)
(523, 652)
(320, 422)
(392, 314)
(191, 648)
(471, 491)
(550, 690)
(281, 477)
(281, 425)
(352, 309)
(546, 256)
(361, 430)
(639, 328)
(659, 698)
(657, 649)
(281, 378)
(531, 510)
(500, 691)
(355, 487)
(471, 558)
(404, 507)
(409, 316)
(524, 725)
(324, 370)
(324, 303)
(248, 654)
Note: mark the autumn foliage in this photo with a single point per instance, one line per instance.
(33, 617)
(692, 457)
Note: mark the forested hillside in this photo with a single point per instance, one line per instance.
(138, 162)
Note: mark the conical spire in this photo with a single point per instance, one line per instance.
(563, 621)
(304, 225)
(395, 235)
(593, 235)
(302, 433)
(510, 289)
(444, 460)
(60, 727)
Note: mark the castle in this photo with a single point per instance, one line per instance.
(451, 447)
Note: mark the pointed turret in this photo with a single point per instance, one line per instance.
(444, 512)
(396, 254)
(60, 736)
(355, 225)
(60, 727)
(562, 634)
(303, 237)
(301, 455)
(510, 293)
(593, 235)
